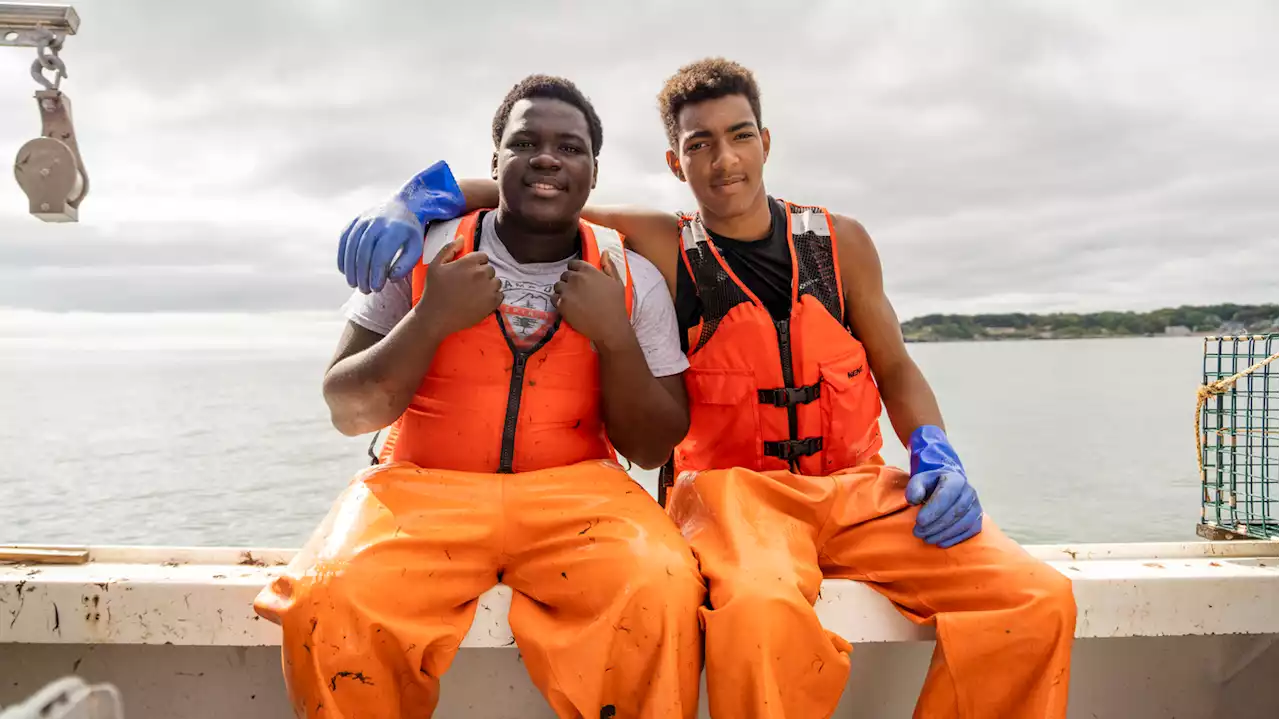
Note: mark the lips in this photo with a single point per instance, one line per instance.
(729, 181)
(545, 185)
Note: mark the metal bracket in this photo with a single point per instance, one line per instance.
(23, 25)
(49, 169)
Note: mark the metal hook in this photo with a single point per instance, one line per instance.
(53, 64)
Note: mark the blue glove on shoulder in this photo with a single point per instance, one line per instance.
(951, 513)
(386, 240)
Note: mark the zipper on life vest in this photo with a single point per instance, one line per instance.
(789, 381)
(507, 457)
(520, 358)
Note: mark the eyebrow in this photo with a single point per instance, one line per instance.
(745, 124)
(566, 135)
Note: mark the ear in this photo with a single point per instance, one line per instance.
(764, 138)
(673, 162)
(493, 167)
(595, 172)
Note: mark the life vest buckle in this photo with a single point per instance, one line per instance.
(790, 449)
(790, 396)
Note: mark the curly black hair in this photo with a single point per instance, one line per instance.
(708, 79)
(555, 88)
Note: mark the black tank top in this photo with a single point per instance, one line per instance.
(764, 266)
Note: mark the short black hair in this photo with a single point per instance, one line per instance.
(555, 88)
(708, 79)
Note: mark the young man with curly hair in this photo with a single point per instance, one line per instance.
(792, 346)
(510, 368)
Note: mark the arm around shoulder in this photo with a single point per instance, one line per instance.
(652, 234)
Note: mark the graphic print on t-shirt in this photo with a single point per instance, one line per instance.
(527, 310)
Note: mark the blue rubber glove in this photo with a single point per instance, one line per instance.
(386, 240)
(952, 513)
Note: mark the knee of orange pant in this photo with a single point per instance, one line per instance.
(1053, 603)
(666, 577)
(761, 603)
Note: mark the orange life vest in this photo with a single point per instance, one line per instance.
(790, 394)
(487, 405)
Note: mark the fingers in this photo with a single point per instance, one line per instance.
(410, 255)
(354, 236)
(495, 287)
(966, 500)
(374, 235)
(966, 528)
(941, 499)
(342, 246)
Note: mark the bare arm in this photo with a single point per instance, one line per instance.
(372, 378)
(645, 416)
(869, 314)
(652, 234)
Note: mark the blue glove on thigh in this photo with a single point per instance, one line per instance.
(952, 513)
(386, 240)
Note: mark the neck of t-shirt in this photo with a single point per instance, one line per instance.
(752, 236)
(528, 245)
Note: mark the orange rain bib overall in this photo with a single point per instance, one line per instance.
(781, 484)
(499, 471)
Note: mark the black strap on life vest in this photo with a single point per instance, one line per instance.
(790, 396)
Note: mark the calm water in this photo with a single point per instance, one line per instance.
(228, 445)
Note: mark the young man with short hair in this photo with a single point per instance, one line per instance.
(510, 368)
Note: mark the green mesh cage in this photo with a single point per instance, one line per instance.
(1238, 427)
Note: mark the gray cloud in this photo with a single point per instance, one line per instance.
(1004, 155)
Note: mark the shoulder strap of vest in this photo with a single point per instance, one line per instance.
(813, 238)
(692, 233)
(600, 241)
(440, 234)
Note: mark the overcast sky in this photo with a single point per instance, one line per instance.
(1004, 155)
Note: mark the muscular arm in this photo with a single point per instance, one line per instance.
(652, 234)
(372, 378)
(906, 393)
(645, 416)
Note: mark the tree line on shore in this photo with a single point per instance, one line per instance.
(1203, 319)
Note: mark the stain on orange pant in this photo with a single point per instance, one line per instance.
(605, 593)
(1005, 621)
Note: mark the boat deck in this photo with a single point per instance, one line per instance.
(1176, 626)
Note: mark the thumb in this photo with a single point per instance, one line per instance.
(920, 485)
(447, 253)
(607, 266)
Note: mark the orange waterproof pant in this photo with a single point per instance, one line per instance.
(604, 604)
(1005, 620)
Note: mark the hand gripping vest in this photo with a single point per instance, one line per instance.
(486, 405)
(792, 394)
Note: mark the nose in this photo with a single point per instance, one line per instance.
(724, 158)
(544, 159)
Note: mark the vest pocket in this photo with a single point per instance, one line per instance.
(724, 421)
(850, 412)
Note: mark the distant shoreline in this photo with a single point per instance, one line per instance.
(1185, 321)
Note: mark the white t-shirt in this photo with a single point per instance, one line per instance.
(527, 307)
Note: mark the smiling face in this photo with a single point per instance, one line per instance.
(720, 151)
(544, 163)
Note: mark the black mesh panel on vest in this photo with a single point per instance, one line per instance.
(817, 267)
(717, 292)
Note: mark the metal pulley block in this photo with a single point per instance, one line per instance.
(49, 169)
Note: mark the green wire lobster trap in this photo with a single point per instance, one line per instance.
(1238, 438)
